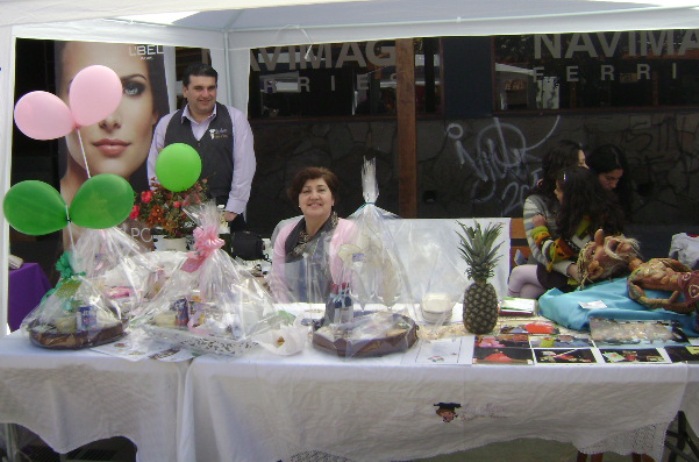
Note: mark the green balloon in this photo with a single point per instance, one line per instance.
(33, 207)
(103, 201)
(178, 167)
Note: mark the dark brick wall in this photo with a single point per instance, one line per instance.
(480, 167)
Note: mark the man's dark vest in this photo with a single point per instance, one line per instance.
(214, 148)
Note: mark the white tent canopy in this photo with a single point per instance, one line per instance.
(451, 17)
(229, 28)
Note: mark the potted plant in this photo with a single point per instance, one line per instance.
(162, 211)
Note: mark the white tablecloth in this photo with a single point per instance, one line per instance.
(262, 407)
(71, 398)
(267, 408)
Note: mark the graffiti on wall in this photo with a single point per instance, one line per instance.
(482, 167)
(499, 161)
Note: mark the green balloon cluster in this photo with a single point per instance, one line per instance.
(33, 207)
(178, 167)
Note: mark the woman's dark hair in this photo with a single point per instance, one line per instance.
(313, 173)
(158, 83)
(609, 157)
(584, 197)
(606, 158)
(561, 156)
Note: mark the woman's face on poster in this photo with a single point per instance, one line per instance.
(118, 144)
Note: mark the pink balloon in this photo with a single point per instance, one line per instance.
(94, 94)
(43, 116)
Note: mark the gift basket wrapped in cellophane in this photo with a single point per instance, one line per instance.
(119, 266)
(436, 281)
(379, 275)
(376, 285)
(212, 304)
(75, 314)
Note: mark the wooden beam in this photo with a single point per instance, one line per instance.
(407, 149)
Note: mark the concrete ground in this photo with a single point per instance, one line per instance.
(524, 450)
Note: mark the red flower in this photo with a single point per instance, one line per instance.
(134, 212)
(162, 208)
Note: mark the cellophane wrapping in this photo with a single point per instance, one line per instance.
(377, 285)
(368, 334)
(310, 273)
(73, 315)
(436, 281)
(211, 303)
(379, 275)
(119, 266)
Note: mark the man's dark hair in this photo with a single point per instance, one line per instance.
(198, 69)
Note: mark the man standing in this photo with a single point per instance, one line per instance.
(221, 135)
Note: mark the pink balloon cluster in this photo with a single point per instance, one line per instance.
(94, 93)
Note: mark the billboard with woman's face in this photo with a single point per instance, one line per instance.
(118, 144)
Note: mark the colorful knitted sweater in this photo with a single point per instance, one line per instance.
(562, 249)
(534, 205)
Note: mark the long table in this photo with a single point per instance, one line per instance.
(269, 408)
(265, 407)
(72, 398)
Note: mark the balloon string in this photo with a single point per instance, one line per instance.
(82, 150)
(70, 228)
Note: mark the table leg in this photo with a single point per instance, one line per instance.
(593, 457)
(683, 438)
(11, 442)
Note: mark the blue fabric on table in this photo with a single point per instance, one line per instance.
(565, 309)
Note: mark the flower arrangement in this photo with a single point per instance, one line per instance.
(161, 208)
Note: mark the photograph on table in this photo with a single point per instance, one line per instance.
(502, 341)
(563, 356)
(445, 351)
(634, 355)
(560, 341)
(680, 354)
(529, 327)
(505, 356)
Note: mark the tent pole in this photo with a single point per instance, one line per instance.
(407, 150)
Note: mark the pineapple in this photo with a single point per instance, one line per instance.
(480, 299)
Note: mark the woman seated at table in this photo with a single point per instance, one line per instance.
(609, 163)
(305, 263)
(541, 202)
(585, 208)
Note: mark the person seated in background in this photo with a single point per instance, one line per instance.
(585, 208)
(542, 202)
(609, 163)
(306, 261)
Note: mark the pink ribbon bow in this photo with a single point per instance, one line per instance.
(206, 242)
